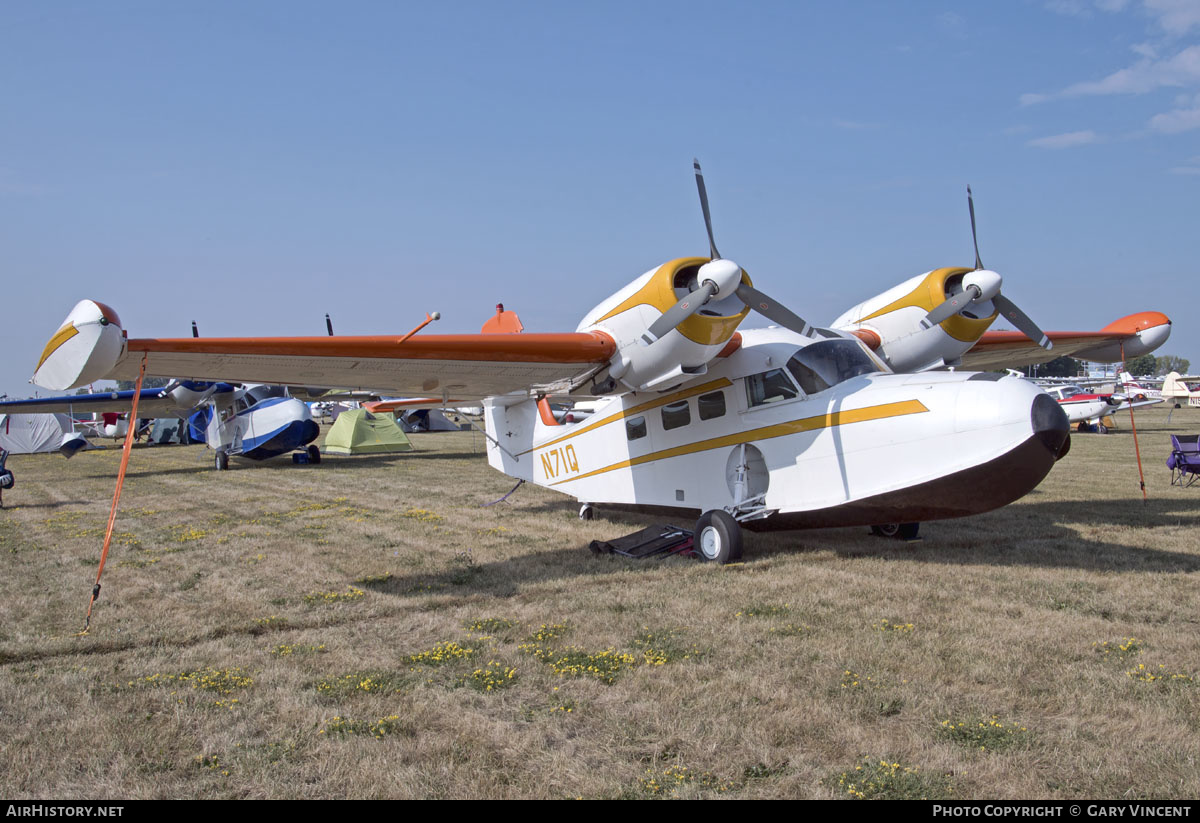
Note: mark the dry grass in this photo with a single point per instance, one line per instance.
(232, 656)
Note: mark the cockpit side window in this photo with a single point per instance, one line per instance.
(826, 363)
(769, 387)
(808, 379)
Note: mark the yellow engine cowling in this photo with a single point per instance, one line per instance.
(891, 323)
(682, 353)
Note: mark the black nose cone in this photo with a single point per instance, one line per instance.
(1050, 424)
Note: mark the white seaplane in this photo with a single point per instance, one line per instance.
(785, 427)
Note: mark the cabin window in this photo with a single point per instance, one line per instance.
(769, 387)
(635, 427)
(676, 414)
(711, 405)
(826, 363)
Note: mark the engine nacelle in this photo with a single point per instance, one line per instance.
(891, 323)
(85, 348)
(680, 354)
(188, 394)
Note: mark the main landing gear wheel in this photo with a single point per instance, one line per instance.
(222, 461)
(586, 512)
(718, 537)
(314, 454)
(900, 531)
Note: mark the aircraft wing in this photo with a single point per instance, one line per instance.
(1126, 338)
(394, 404)
(149, 404)
(91, 345)
(311, 393)
(1137, 404)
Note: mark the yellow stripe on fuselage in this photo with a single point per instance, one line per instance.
(804, 424)
(711, 385)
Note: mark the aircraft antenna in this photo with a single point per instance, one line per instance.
(429, 318)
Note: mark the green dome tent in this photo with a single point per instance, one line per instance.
(359, 432)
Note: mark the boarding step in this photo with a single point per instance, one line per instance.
(650, 541)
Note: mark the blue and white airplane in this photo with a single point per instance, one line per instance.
(260, 422)
(252, 421)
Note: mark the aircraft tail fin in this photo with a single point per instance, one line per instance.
(511, 423)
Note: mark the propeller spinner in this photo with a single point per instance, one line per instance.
(720, 278)
(980, 286)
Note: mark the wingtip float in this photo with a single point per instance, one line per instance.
(85, 348)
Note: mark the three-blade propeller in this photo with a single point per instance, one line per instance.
(980, 286)
(721, 278)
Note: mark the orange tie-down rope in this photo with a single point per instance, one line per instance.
(1137, 449)
(112, 514)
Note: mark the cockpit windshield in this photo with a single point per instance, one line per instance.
(826, 363)
(258, 394)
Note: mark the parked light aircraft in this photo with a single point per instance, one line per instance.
(1124, 384)
(1087, 411)
(785, 427)
(1175, 390)
(261, 421)
(1134, 390)
(253, 421)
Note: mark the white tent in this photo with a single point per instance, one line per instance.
(426, 420)
(31, 433)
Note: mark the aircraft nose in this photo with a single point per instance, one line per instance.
(1050, 425)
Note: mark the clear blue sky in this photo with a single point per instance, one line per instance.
(252, 166)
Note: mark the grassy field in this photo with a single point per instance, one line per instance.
(363, 628)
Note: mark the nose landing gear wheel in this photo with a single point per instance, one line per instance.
(718, 537)
(314, 454)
